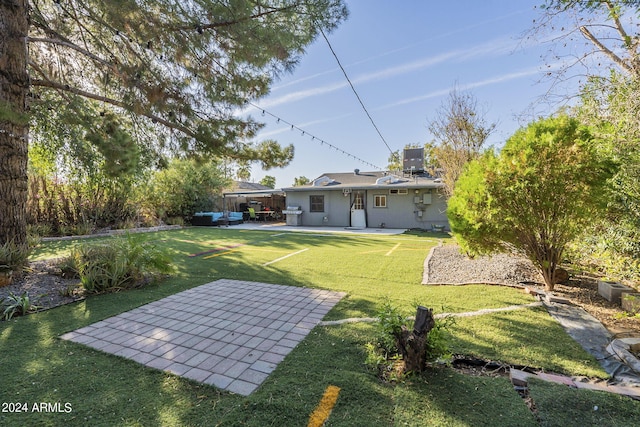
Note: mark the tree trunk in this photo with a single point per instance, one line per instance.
(412, 344)
(547, 274)
(14, 123)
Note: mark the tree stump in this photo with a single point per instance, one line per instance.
(412, 344)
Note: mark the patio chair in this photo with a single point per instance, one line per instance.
(252, 214)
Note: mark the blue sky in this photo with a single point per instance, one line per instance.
(404, 58)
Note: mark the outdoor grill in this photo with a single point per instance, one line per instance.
(294, 215)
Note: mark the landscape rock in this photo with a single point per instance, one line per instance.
(446, 265)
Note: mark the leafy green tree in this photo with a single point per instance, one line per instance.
(610, 106)
(300, 180)
(610, 99)
(176, 71)
(548, 183)
(269, 181)
(185, 187)
(394, 161)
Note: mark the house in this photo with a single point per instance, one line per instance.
(370, 199)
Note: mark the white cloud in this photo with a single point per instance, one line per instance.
(444, 35)
(302, 94)
(491, 48)
(493, 80)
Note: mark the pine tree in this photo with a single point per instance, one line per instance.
(176, 71)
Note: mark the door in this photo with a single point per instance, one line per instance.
(358, 213)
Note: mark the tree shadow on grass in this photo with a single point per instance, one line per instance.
(443, 397)
(36, 366)
(559, 405)
(528, 337)
(329, 356)
(104, 389)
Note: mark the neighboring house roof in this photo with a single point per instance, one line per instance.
(245, 185)
(368, 180)
(251, 189)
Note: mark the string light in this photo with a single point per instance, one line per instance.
(314, 138)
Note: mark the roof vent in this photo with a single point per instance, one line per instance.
(356, 171)
(323, 180)
(389, 179)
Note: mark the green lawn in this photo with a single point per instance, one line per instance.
(102, 389)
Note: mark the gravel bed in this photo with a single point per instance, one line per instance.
(446, 265)
(44, 285)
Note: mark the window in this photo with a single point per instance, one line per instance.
(316, 203)
(398, 191)
(380, 201)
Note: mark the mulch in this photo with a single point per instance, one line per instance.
(45, 286)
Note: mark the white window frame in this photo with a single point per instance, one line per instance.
(401, 191)
(377, 198)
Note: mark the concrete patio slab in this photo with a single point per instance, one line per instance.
(229, 333)
(280, 226)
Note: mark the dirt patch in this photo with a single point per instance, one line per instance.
(582, 290)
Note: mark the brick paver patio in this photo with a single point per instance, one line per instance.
(230, 334)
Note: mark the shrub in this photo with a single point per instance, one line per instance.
(78, 206)
(14, 256)
(13, 305)
(117, 264)
(549, 182)
(610, 248)
(185, 187)
(389, 325)
(175, 220)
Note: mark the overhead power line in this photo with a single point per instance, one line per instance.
(354, 91)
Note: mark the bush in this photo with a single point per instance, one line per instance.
(117, 264)
(80, 205)
(14, 256)
(185, 187)
(16, 305)
(609, 249)
(389, 325)
(549, 183)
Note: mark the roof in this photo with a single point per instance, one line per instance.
(245, 185)
(368, 180)
(255, 193)
(251, 189)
